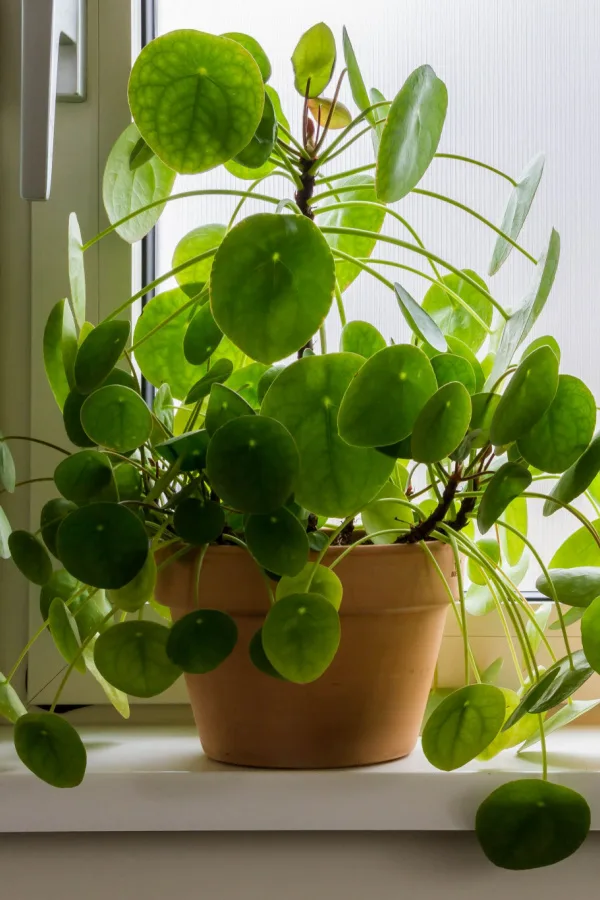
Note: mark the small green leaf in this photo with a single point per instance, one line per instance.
(272, 284)
(76, 271)
(491, 674)
(590, 633)
(189, 448)
(527, 824)
(545, 341)
(254, 49)
(361, 338)
(129, 482)
(217, 374)
(195, 243)
(202, 337)
(517, 209)
(252, 464)
(30, 556)
(504, 740)
(103, 544)
(196, 98)
(132, 657)
(163, 406)
(117, 698)
(301, 635)
(140, 154)
(7, 467)
(198, 521)
(65, 634)
(452, 318)
(554, 686)
(507, 483)
(258, 657)
(576, 586)
(441, 424)
(577, 478)
(224, 405)
(267, 380)
(52, 514)
(317, 578)
(565, 430)
(72, 420)
(411, 135)
(380, 116)
(11, 706)
(384, 513)
(244, 172)
(138, 591)
(51, 748)
(116, 417)
(449, 367)
(463, 725)
(490, 548)
(357, 85)
(5, 531)
(314, 60)
(385, 397)
(512, 545)
(579, 549)
(528, 396)
(484, 406)
(320, 109)
(570, 617)
(419, 320)
(202, 640)
(99, 353)
(567, 714)
(85, 476)
(245, 381)
(258, 151)
(59, 348)
(278, 542)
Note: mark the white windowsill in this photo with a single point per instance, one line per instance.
(158, 779)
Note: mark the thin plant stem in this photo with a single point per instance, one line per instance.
(346, 174)
(363, 540)
(289, 167)
(463, 608)
(28, 481)
(161, 278)
(544, 748)
(340, 304)
(572, 509)
(21, 437)
(323, 339)
(343, 134)
(197, 573)
(477, 162)
(166, 321)
(336, 95)
(293, 140)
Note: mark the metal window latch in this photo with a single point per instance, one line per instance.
(52, 69)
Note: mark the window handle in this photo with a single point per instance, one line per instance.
(52, 69)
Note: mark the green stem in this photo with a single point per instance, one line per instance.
(364, 267)
(295, 142)
(249, 194)
(477, 162)
(363, 540)
(149, 287)
(491, 586)
(544, 748)
(164, 481)
(346, 174)
(28, 481)
(572, 509)
(289, 167)
(197, 572)
(340, 304)
(323, 339)
(193, 300)
(20, 437)
(343, 134)
(463, 608)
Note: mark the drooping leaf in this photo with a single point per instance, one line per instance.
(189, 449)
(198, 521)
(117, 698)
(258, 151)
(132, 657)
(60, 347)
(278, 542)
(320, 109)
(419, 321)
(52, 514)
(116, 417)
(335, 479)
(163, 406)
(258, 657)
(554, 686)
(383, 514)
(362, 338)
(50, 748)
(565, 430)
(385, 397)
(130, 183)
(527, 824)
(201, 640)
(528, 396)
(272, 284)
(11, 706)
(202, 337)
(564, 716)
(99, 353)
(132, 596)
(577, 586)
(452, 318)
(30, 556)
(507, 483)
(191, 245)
(196, 98)
(254, 49)
(463, 725)
(301, 635)
(217, 374)
(517, 209)
(65, 633)
(5, 531)
(76, 271)
(504, 740)
(411, 134)
(441, 424)
(103, 544)
(317, 579)
(490, 548)
(85, 476)
(314, 60)
(577, 478)
(512, 545)
(449, 367)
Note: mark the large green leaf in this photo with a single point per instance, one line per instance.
(385, 397)
(579, 549)
(30, 556)
(76, 271)
(484, 406)
(116, 417)
(577, 478)
(300, 636)
(254, 49)
(527, 824)
(420, 322)
(161, 358)
(362, 338)
(449, 367)
(85, 476)
(60, 347)
(278, 542)
(577, 586)
(51, 748)
(198, 521)
(442, 423)
(202, 640)
(463, 725)
(192, 244)
(313, 60)
(565, 430)
(529, 394)
(252, 464)
(99, 353)
(272, 284)
(258, 151)
(335, 479)
(411, 135)
(196, 98)
(367, 218)
(126, 189)
(65, 633)
(517, 209)
(132, 657)
(454, 319)
(507, 483)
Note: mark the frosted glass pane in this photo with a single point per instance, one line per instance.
(522, 77)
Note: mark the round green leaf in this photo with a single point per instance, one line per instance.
(527, 824)
(60, 347)
(85, 476)
(314, 60)
(127, 188)
(452, 318)
(102, 544)
(508, 482)
(224, 405)
(202, 640)
(254, 49)
(419, 321)
(99, 353)
(198, 521)
(196, 98)
(579, 549)
(449, 367)
(463, 725)
(320, 109)
(51, 748)
(565, 430)
(202, 337)
(90, 610)
(442, 423)
(383, 513)
(72, 420)
(301, 635)
(367, 218)
(138, 591)
(458, 348)
(517, 209)
(244, 172)
(195, 243)
(335, 479)
(116, 417)
(317, 578)
(577, 478)
(76, 270)
(272, 284)
(576, 587)
(490, 548)
(520, 732)
(161, 358)
(252, 464)
(545, 341)
(189, 448)
(65, 634)
(411, 135)
(30, 556)
(278, 542)
(384, 399)
(258, 151)
(217, 374)
(53, 512)
(128, 480)
(484, 406)
(132, 656)
(258, 657)
(361, 338)
(529, 394)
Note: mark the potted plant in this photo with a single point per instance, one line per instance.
(298, 515)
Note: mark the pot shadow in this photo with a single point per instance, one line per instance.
(573, 761)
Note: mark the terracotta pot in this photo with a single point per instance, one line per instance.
(367, 707)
